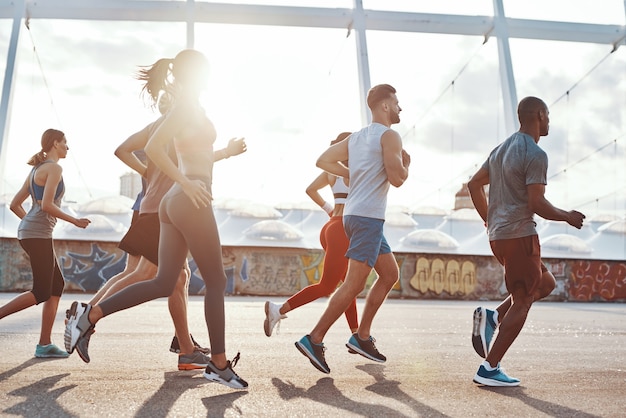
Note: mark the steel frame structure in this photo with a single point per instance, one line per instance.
(357, 18)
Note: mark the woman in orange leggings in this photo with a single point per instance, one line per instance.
(335, 244)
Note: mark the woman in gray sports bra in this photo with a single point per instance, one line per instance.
(187, 223)
(45, 186)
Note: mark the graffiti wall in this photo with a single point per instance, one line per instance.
(87, 266)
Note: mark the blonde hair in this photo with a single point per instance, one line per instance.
(49, 137)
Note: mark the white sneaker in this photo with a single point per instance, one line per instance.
(272, 317)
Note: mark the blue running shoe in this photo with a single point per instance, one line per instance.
(50, 351)
(366, 348)
(483, 328)
(314, 352)
(496, 377)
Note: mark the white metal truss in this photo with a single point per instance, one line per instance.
(358, 19)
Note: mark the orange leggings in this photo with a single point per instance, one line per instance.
(335, 244)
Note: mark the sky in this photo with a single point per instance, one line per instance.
(290, 91)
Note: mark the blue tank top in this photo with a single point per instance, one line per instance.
(37, 223)
(340, 191)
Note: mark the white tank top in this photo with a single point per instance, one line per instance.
(340, 191)
(368, 179)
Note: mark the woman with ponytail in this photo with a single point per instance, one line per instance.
(187, 222)
(45, 186)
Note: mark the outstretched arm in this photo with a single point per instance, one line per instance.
(542, 207)
(235, 146)
(53, 178)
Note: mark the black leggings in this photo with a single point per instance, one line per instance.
(47, 277)
(184, 228)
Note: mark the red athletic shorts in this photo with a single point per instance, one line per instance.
(521, 258)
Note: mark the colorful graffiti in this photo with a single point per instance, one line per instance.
(438, 277)
(284, 271)
(597, 280)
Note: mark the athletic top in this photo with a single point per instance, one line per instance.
(368, 179)
(157, 182)
(340, 191)
(37, 223)
(512, 166)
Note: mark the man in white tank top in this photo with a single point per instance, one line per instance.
(376, 160)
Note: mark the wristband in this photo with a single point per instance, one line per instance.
(327, 208)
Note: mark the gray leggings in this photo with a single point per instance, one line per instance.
(183, 229)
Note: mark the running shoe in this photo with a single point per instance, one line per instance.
(484, 326)
(495, 377)
(193, 361)
(226, 376)
(175, 346)
(366, 348)
(50, 351)
(314, 352)
(82, 346)
(272, 317)
(77, 325)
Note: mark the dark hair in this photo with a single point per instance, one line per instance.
(379, 93)
(49, 137)
(340, 137)
(156, 76)
(528, 106)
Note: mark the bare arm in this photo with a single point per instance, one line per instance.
(156, 149)
(19, 198)
(476, 187)
(53, 177)
(395, 159)
(235, 146)
(135, 142)
(330, 160)
(540, 205)
(312, 190)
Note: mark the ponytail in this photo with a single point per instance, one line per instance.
(38, 158)
(47, 142)
(155, 77)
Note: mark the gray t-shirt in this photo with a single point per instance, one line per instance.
(512, 166)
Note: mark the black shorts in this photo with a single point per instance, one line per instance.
(142, 237)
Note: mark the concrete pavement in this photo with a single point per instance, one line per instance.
(571, 359)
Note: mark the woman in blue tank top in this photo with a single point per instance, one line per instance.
(45, 186)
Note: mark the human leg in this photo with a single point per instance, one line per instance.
(353, 284)
(177, 304)
(84, 317)
(335, 244)
(526, 279)
(131, 264)
(387, 269)
(200, 232)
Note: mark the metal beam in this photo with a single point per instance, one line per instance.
(177, 11)
(362, 58)
(7, 85)
(507, 77)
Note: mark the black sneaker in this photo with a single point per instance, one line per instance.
(175, 346)
(366, 348)
(226, 376)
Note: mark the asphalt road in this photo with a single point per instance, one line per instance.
(571, 359)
